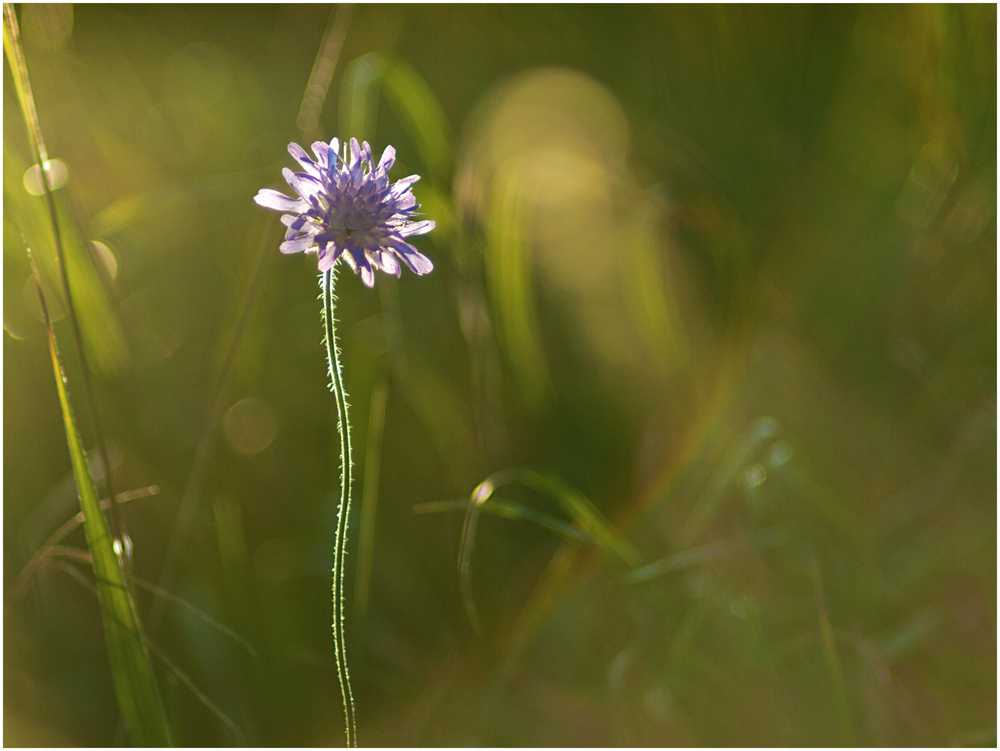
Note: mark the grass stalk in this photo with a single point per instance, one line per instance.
(40, 556)
(22, 84)
(588, 521)
(135, 684)
(322, 71)
(838, 688)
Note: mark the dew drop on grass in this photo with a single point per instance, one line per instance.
(56, 173)
(107, 258)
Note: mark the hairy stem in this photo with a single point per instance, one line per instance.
(327, 281)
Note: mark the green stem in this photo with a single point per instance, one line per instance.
(327, 281)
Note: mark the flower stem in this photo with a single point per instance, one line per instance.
(327, 280)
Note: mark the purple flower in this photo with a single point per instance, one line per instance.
(347, 208)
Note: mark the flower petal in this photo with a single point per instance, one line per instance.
(295, 225)
(387, 160)
(359, 263)
(388, 263)
(417, 228)
(272, 199)
(417, 262)
(298, 244)
(322, 151)
(401, 185)
(328, 255)
(305, 185)
(355, 151)
(405, 202)
(299, 155)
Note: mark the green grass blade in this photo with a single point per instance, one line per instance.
(199, 694)
(510, 279)
(19, 71)
(479, 496)
(650, 300)
(40, 556)
(838, 688)
(359, 88)
(419, 109)
(412, 99)
(135, 684)
(589, 523)
(582, 511)
(322, 72)
(704, 511)
(509, 510)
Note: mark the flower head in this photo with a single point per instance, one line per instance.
(347, 208)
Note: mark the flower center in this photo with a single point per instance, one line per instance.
(352, 220)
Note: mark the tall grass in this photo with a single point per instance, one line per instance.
(110, 549)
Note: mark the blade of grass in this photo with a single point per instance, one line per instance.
(837, 687)
(465, 548)
(650, 299)
(705, 553)
(322, 72)
(135, 685)
(44, 550)
(762, 430)
(73, 571)
(75, 554)
(413, 100)
(509, 510)
(504, 509)
(510, 280)
(420, 111)
(586, 517)
(95, 295)
(357, 110)
(19, 72)
(55, 552)
(582, 511)
(79, 576)
(200, 615)
(682, 560)
(199, 694)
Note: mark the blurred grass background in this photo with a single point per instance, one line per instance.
(728, 271)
